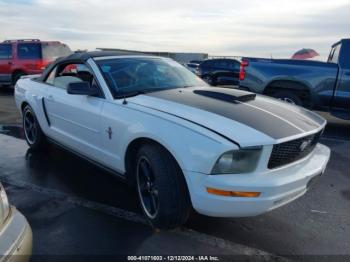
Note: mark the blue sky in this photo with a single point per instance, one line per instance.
(267, 28)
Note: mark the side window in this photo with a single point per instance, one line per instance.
(29, 51)
(216, 63)
(63, 75)
(50, 79)
(205, 64)
(344, 58)
(5, 51)
(51, 51)
(233, 65)
(334, 56)
(223, 64)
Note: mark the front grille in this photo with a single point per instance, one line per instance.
(291, 151)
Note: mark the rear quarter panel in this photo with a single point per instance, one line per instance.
(32, 92)
(319, 77)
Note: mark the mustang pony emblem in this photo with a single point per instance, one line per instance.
(109, 132)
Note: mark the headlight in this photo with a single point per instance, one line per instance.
(4, 205)
(237, 161)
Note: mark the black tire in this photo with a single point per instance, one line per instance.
(209, 80)
(16, 76)
(288, 97)
(32, 131)
(168, 188)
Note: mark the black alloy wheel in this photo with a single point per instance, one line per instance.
(147, 189)
(30, 127)
(161, 187)
(33, 134)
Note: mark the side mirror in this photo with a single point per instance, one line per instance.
(82, 88)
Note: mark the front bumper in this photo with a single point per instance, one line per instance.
(15, 238)
(277, 186)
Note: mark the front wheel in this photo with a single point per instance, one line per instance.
(161, 188)
(33, 134)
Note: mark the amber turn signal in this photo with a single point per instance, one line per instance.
(232, 193)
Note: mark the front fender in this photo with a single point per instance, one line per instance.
(194, 148)
(192, 151)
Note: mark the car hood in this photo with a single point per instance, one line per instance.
(243, 117)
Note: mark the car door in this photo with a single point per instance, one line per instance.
(342, 94)
(227, 75)
(5, 63)
(74, 119)
(224, 76)
(341, 99)
(204, 68)
(233, 67)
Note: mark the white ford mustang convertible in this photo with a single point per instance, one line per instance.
(184, 144)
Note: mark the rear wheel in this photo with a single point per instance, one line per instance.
(288, 97)
(161, 188)
(33, 134)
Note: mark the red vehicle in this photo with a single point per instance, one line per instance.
(27, 57)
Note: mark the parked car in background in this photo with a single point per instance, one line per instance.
(193, 67)
(15, 232)
(221, 71)
(27, 57)
(183, 144)
(196, 61)
(316, 85)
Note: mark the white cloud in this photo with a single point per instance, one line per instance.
(255, 27)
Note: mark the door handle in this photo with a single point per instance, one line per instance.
(347, 73)
(10, 63)
(50, 98)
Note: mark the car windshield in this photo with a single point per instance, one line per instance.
(137, 75)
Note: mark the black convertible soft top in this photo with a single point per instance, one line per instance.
(86, 55)
(81, 57)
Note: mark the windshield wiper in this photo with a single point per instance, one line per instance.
(145, 91)
(129, 94)
(136, 93)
